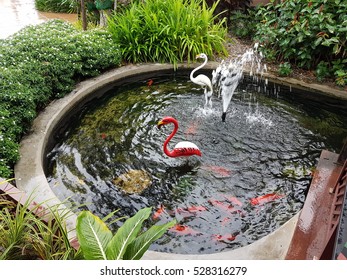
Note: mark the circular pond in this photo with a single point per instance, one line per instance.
(252, 176)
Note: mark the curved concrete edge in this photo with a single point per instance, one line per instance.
(30, 176)
(29, 172)
(323, 89)
(271, 247)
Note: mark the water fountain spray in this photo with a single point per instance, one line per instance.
(228, 75)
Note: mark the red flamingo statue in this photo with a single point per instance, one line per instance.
(182, 149)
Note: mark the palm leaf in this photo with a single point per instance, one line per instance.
(93, 236)
(140, 245)
(126, 234)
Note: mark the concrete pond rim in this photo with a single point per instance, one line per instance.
(30, 176)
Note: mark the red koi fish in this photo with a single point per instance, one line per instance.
(222, 205)
(234, 200)
(219, 170)
(265, 198)
(225, 221)
(159, 211)
(190, 211)
(192, 129)
(183, 230)
(226, 237)
(150, 82)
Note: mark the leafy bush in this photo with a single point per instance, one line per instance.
(167, 31)
(226, 8)
(243, 23)
(41, 63)
(305, 33)
(57, 6)
(322, 71)
(284, 69)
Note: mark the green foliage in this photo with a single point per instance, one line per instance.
(34, 232)
(167, 31)
(41, 63)
(340, 71)
(103, 4)
(25, 234)
(284, 69)
(305, 33)
(243, 23)
(98, 243)
(57, 6)
(323, 71)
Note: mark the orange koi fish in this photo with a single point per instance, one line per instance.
(265, 198)
(192, 128)
(234, 200)
(225, 221)
(183, 230)
(159, 211)
(150, 82)
(226, 237)
(198, 208)
(221, 171)
(222, 205)
(190, 211)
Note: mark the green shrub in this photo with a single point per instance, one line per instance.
(340, 71)
(284, 69)
(243, 23)
(305, 33)
(167, 31)
(323, 71)
(41, 63)
(57, 6)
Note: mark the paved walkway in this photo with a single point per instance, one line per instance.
(16, 14)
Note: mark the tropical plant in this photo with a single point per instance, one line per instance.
(305, 33)
(31, 231)
(129, 243)
(167, 31)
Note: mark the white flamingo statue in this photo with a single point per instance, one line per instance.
(203, 81)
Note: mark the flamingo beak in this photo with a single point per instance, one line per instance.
(160, 124)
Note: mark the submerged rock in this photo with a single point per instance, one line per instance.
(134, 181)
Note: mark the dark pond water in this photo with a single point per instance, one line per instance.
(266, 149)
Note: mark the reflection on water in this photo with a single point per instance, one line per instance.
(17, 14)
(252, 177)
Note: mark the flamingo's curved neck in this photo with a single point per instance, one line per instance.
(166, 149)
(197, 68)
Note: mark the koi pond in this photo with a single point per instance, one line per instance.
(252, 177)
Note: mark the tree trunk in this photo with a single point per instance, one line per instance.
(103, 17)
(84, 15)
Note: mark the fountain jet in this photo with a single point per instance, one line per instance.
(227, 76)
